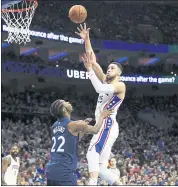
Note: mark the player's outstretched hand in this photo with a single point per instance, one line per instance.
(83, 31)
(87, 59)
(106, 113)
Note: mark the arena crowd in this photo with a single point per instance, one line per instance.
(132, 22)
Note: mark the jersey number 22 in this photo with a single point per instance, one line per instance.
(59, 141)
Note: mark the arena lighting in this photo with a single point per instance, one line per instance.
(175, 74)
(34, 69)
(30, 51)
(58, 56)
(153, 61)
(172, 72)
(122, 60)
(4, 45)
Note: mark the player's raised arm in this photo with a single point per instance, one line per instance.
(118, 87)
(5, 164)
(84, 34)
(82, 126)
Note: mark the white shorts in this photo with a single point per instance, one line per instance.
(101, 144)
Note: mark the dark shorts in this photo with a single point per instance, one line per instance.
(70, 182)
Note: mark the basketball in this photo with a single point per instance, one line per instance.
(77, 13)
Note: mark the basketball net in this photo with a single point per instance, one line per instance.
(18, 21)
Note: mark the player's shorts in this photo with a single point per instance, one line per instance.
(57, 176)
(100, 146)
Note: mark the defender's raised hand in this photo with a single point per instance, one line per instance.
(83, 31)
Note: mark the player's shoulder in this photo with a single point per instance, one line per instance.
(121, 83)
(119, 86)
(7, 159)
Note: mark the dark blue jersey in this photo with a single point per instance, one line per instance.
(64, 149)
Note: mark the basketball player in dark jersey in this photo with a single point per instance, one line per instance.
(65, 135)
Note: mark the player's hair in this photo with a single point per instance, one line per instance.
(56, 109)
(15, 145)
(118, 65)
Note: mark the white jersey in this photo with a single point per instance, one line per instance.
(10, 176)
(107, 101)
(109, 130)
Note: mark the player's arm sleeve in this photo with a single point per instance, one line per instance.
(99, 87)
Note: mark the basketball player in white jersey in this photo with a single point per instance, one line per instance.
(111, 94)
(10, 167)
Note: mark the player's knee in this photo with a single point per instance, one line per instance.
(93, 161)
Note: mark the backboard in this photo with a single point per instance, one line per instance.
(7, 3)
(17, 15)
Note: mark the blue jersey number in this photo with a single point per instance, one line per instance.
(59, 148)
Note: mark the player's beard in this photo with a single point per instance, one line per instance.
(14, 154)
(110, 78)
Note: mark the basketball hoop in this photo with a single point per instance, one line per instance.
(18, 18)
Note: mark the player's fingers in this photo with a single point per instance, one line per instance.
(91, 56)
(77, 33)
(85, 26)
(78, 29)
(110, 111)
(88, 29)
(81, 26)
(83, 59)
(85, 56)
